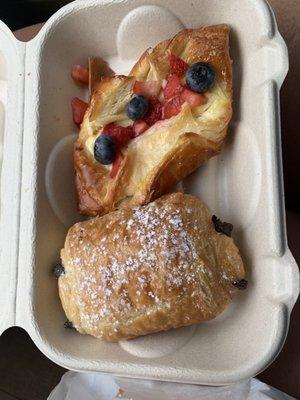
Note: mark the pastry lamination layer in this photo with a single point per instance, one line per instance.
(171, 148)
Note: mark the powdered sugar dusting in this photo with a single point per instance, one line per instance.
(114, 278)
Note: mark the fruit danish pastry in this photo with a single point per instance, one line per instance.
(150, 268)
(144, 132)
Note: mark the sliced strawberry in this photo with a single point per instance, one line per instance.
(194, 99)
(139, 127)
(78, 108)
(154, 113)
(80, 74)
(116, 165)
(171, 108)
(121, 135)
(178, 66)
(173, 87)
(146, 88)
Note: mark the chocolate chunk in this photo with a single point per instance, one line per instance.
(68, 324)
(241, 285)
(58, 270)
(222, 227)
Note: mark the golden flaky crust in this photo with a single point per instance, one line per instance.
(169, 150)
(146, 269)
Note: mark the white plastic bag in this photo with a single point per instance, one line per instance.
(95, 386)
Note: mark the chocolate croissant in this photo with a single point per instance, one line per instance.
(146, 269)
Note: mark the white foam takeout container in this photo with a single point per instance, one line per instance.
(242, 185)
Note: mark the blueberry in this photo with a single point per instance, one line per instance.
(104, 149)
(200, 76)
(137, 107)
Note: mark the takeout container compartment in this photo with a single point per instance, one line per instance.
(242, 185)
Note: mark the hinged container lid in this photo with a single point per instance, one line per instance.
(12, 65)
